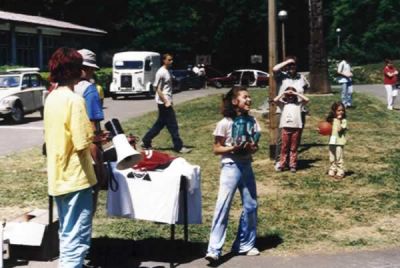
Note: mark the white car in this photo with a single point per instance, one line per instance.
(21, 92)
(245, 77)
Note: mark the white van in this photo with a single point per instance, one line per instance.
(134, 73)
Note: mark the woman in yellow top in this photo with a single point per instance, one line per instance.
(68, 135)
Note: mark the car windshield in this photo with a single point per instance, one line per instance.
(120, 65)
(9, 81)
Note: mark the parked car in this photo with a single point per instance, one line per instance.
(22, 91)
(248, 77)
(184, 79)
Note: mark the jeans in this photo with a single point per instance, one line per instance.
(233, 176)
(166, 117)
(347, 91)
(75, 213)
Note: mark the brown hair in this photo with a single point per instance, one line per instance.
(227, 107)
(65, 66)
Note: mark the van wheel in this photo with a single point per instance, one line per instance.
(17, 114)
(114, 97)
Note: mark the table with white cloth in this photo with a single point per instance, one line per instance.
(171, 195)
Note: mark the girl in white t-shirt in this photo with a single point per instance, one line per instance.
(291, 124)
(235, 139)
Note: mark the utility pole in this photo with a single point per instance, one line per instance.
(272, 52)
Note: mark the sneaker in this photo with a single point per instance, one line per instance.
(293, 170)
(277, 166)
(211, 257)
(253, 252)
(184, 150)
(390, 107)
(278, 169)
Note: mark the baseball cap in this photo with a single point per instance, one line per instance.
(89, 58)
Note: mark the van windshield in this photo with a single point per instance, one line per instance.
(128, 65)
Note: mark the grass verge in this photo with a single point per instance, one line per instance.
(302, 212)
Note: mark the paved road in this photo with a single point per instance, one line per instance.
(15, 138)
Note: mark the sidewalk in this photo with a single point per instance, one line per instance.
(363, 259)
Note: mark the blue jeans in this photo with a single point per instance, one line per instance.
(347, 91)
(75, 213)
(166, 117)
(233, 176)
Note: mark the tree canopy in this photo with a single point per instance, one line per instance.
(229, 30)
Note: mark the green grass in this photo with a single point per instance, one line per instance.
(304, 212)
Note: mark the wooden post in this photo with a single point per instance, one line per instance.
(272, 52)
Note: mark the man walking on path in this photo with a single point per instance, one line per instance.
(166, 113)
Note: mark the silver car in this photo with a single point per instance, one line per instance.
(21, 92)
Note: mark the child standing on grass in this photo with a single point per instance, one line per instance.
(236, 138)
(290, 102)
(337, 116)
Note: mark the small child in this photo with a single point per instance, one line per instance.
(235, 139)
(290, 102)
(337, 116)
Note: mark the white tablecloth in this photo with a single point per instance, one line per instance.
(154, 195)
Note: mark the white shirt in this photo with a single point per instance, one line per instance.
(291, 116)
(224, 129)
(344, 67)
(164, 78)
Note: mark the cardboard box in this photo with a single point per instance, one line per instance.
(32, 236)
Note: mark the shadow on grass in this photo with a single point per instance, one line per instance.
(263, 243)
(306, 163)
(307, 146)
(112, 252)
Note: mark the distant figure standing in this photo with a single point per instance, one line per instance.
(286, 75)
(337, 117)
(389, 80)
(290, 124)
(166, 113)
(345, 79)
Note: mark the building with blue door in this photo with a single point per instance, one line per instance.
(30, 40)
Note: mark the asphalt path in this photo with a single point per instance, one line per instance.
(14, 138)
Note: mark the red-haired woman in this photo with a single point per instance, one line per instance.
(68, 134)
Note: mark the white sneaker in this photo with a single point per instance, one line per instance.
(390, 107)
(253, 252)
(184, 150)
(277, 166)
(211, 257)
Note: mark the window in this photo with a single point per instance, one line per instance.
(35, 80)
(147, 65)
(128, 65)
(25, 82)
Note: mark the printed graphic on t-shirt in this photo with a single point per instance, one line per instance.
(244, 130)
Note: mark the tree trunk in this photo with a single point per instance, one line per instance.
(319, 79)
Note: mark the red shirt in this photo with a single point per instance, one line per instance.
(389, 80)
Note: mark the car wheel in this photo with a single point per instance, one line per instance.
(17, 114)
(114, 97)
(218, 84)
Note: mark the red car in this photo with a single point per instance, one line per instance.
(248, 77)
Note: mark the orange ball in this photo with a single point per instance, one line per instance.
(325, 128)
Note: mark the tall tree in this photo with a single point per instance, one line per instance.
(319, 80)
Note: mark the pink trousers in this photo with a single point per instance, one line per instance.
(290, 141)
